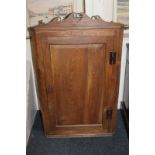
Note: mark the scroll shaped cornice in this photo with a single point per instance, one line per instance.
(78, 20)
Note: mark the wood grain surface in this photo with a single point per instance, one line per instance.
(76, 82)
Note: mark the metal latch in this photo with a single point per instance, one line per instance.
(109, 114)
(112, 57)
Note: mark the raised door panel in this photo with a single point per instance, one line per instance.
(77, 83)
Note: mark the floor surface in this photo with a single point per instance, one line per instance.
(40, 145)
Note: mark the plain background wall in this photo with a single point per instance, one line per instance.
(31, 96)
(104, 8)
(31, 104)
(78, 5)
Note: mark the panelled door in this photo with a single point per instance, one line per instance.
(75, 88)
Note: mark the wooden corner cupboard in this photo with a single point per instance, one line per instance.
(77, 64)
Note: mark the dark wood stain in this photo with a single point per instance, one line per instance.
(76, 83)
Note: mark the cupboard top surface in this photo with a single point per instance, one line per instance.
(77, 21)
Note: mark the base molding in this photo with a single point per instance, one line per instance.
(80, 135)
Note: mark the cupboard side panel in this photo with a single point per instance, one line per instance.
(112, 80)
(38, 63)
(118, 47)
